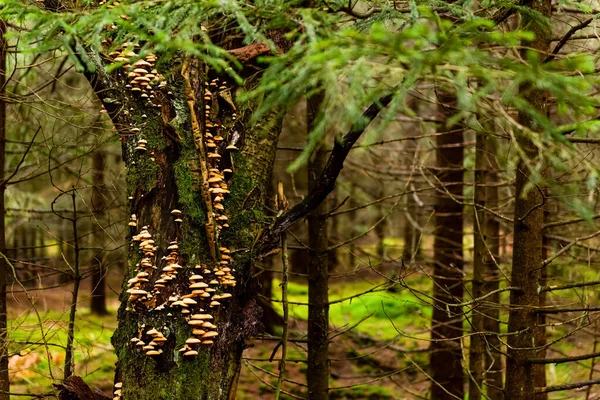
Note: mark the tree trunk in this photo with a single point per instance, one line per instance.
(4, 382)
(171, 172)
(318, 310)
(334, 234)
(98, 291)
(485, 363)
(528, 241)
(539, 370)
(380, 228)
(445, 350)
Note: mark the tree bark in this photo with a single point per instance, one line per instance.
(170, 175)
(527, 262)
(98, 291)
(445, 350)
(485, 362)
(4, 382)
(318, 297)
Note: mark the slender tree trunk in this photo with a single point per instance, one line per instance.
(485, 363)
(98, 292)
(76, 277)
(318, 310)
(4, 382)
(539, 370)
(445, 351)
(333, 235)
(410, 232)
(528, 241)
(350, 231)
(380, 227)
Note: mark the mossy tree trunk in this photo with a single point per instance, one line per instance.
(527, 263)
(168, 175)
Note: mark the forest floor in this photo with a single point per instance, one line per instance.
(378, 350)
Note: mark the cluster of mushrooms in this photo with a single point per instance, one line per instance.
(146, 246)
(203, 331)
(207, 284)
(111, 5)
(213, 140)
(155, 340)
(117, 391)
(143, 77)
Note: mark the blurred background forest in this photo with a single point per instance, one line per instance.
(418, 237)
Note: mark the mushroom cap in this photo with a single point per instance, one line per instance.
(119, 385)
(195, 322)
(207, 342)
(210, 334)
(198, 332)
(152, 332)
(198, 285)
(193, 340)
(138, 292)
(190, 353)
(176, 212)
(196, 277)
(152, 353)
(142, 63)
(214, 303)
(148, 347)
(202, 316)
(189, 301)
(134, 340)
(140, 343)
(226, 295)
(208, 325)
